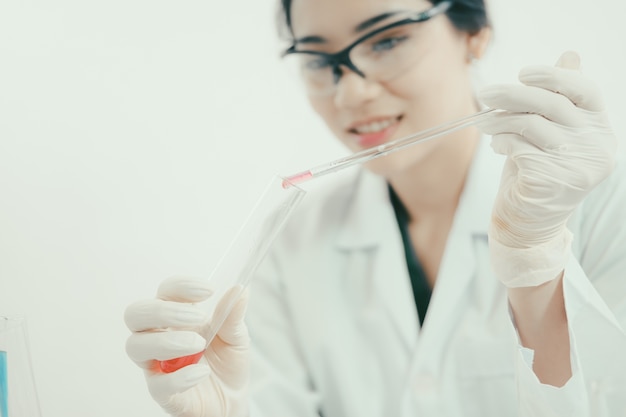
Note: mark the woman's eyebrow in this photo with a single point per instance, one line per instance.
(310, 39)
(372, 21)
(358, 28)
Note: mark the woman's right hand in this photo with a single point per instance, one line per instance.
(170, 327)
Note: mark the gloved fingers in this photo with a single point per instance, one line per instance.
(163, 387)
(234, 331)
(529, 99)
(526, 161)
(536, 129)
(571, 83)
(163, 345)
(569, 60)
(184, 289)
(228, 352)
(158, 314)
(509, 143)
(560, 179)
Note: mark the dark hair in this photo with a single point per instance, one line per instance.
(466, 15)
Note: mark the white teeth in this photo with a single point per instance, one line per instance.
(375, 126)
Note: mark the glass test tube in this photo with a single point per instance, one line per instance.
(18, 394)
(246, 252)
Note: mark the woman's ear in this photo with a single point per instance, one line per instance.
(477, 44)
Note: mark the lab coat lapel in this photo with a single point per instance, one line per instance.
(449, 298)
(371, 226)
(458, 265)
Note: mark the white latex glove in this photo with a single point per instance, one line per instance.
(170, 327)
(559, 146)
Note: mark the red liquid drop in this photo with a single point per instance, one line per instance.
(297, 179)
(172, 365)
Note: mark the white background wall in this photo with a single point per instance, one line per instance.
(135, 134)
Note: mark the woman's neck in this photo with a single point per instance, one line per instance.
(431, 188)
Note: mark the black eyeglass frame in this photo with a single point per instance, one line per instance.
(337, 59)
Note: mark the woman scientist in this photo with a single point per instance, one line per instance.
(443, 280)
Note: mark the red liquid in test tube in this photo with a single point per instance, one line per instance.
(303, 176)
(175, 364)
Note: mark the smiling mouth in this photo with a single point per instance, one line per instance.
(375, 127)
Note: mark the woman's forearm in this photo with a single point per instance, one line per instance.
(541, 321)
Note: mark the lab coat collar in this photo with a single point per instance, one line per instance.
(364, 226)
(371, 224)
(481, 187)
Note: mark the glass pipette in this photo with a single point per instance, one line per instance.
(386, 148)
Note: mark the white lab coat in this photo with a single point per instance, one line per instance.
(335, 330)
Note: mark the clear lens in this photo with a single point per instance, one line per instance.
(387, 54)
(381, 58)
(315, 72)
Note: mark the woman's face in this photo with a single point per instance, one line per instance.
(364, 112)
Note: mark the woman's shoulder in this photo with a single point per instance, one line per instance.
(333, 208)
(324, 206)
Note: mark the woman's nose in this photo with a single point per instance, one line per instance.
(354, 90)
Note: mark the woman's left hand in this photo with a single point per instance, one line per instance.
(559, 146)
